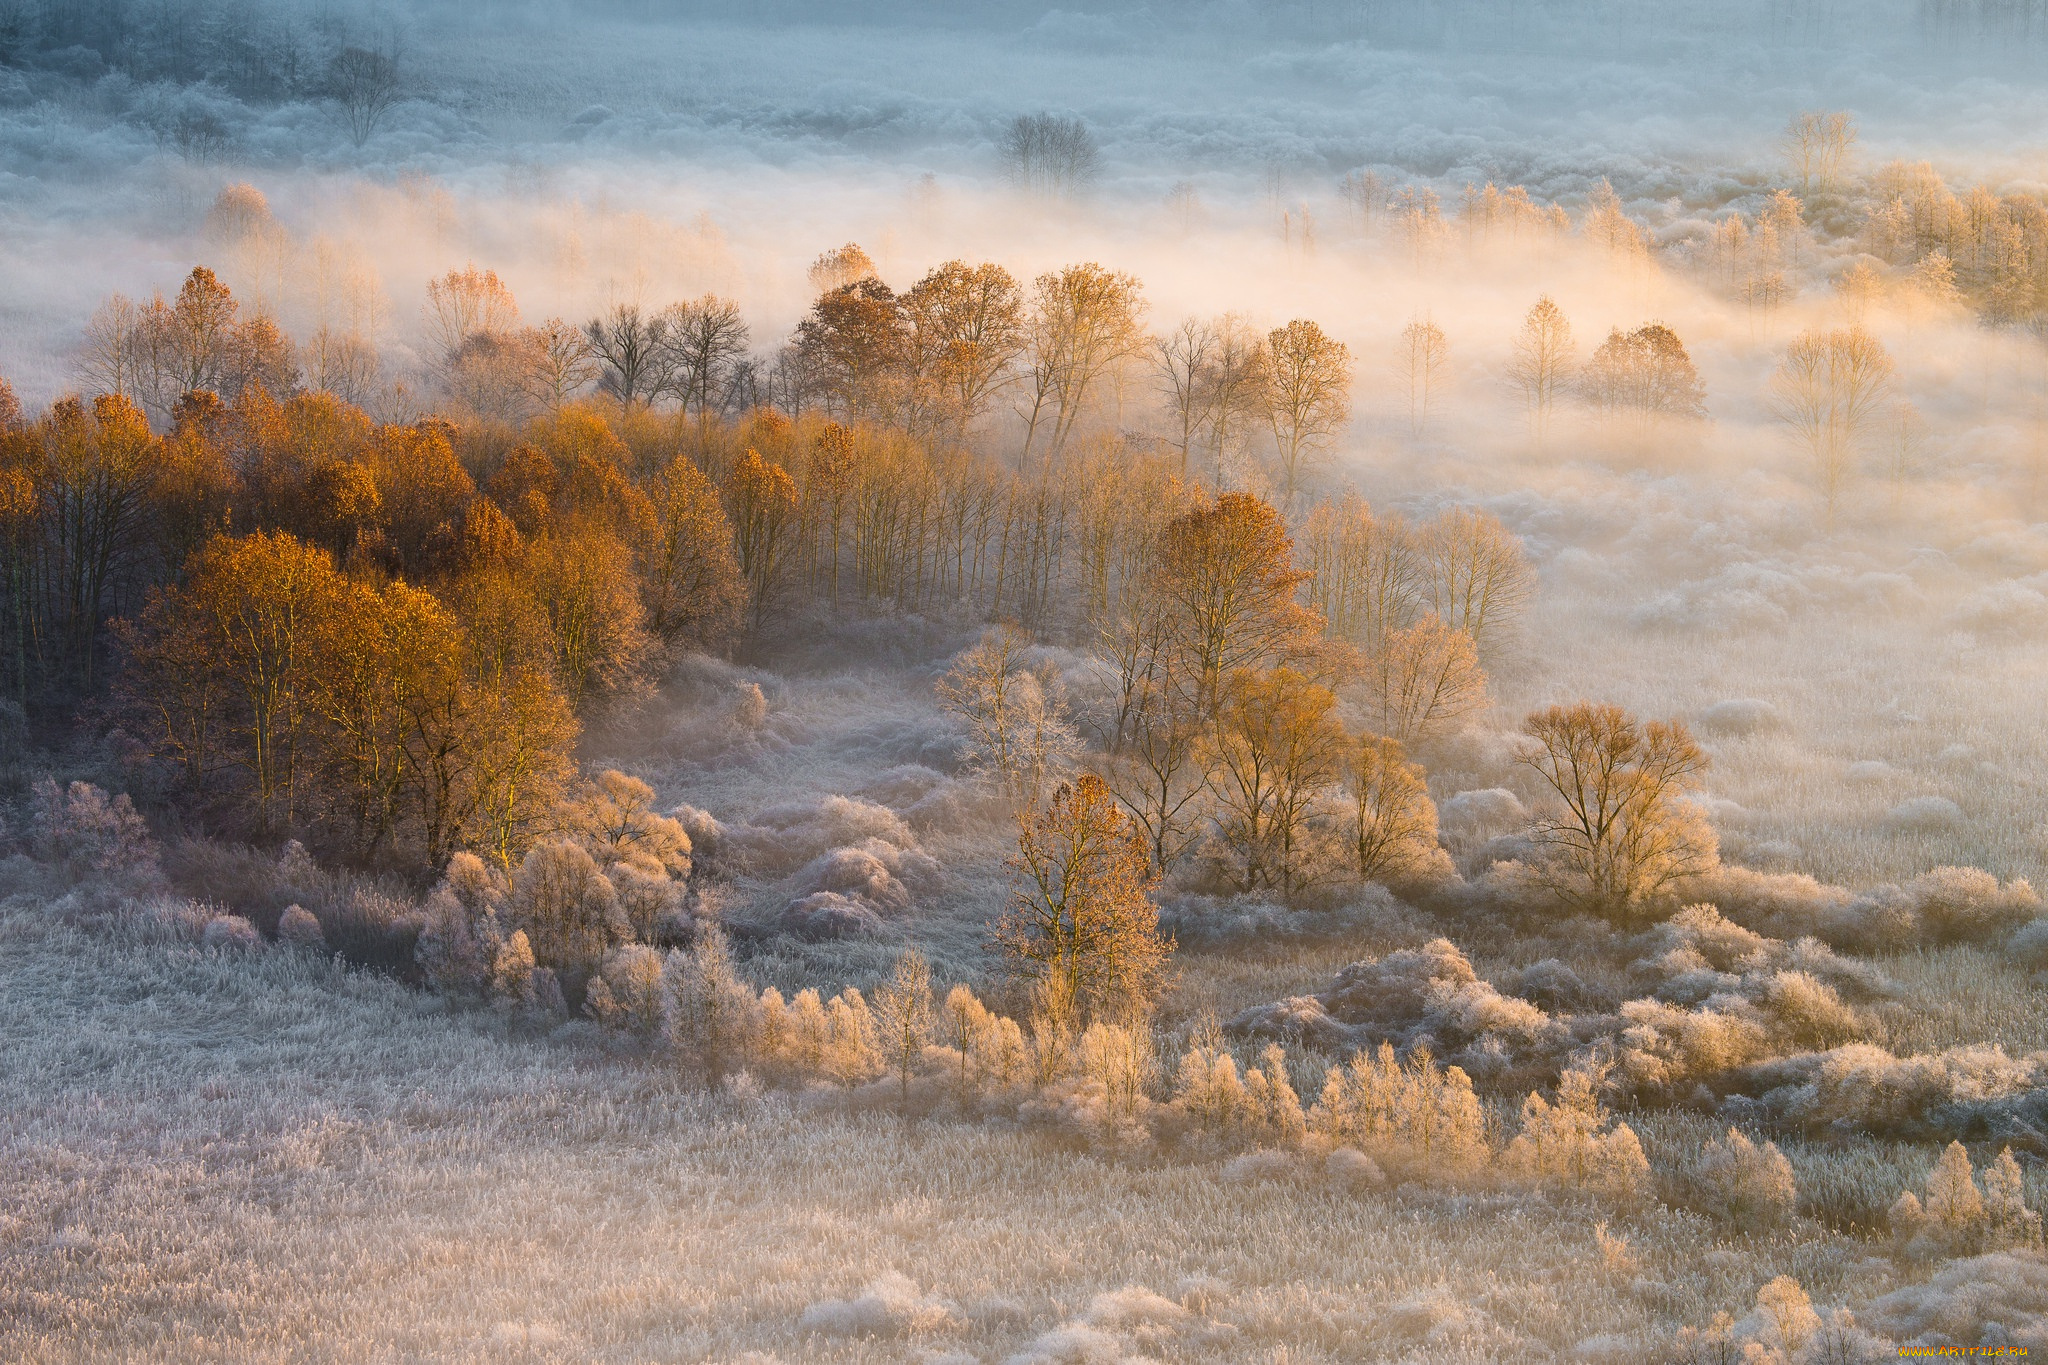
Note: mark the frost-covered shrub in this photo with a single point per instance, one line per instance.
(230, 934)
(872, 871)
(84, 832)
(1258, 1107)
(372, 927)
(1925, 815)
(1394, 991)
(299, 927)
(626, 992)
(1958, 1218)
(1353, 1169)
(461, 926)
(826, 915)
(1553, 985)
(1570, 1142)
(1966, 904)
(1662, 1050)
(709, 1017)
(890, 1306)
(784, 837)
(1415, 1119)
(1805, 1013)
(1785, 1313)
(1743, 1184)
(613, 818)
(1868, 1086)
(1470, 819)
(568, 909)
(707, 838)
(1995, 1300)
(1699, 936)
(2029, 945)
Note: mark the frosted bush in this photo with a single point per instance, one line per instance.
(1808, 1014)
(707, 837)
(1957, 1217)
(784, 837)
(1965, 904)
(1299, 1019)
(299, 927)
(613, 818)
(626, 993)
(1786, 1315)
(1249, 1168)
(1700, 932)
(1353, 1169)
(1470, 819)
(230, 933)
(2029, 945)
(1744, 1184)
(1260, 1106)
(85, 832)
(462, 930)
(890, 1306)
(1925, 815)
(1569, 1142)
(826, 915)
(1739, 716)
(1994, 1300)
(1867, 1085)
(567, 907)
(863, 873)
(1394, 991)
(1415, 1119)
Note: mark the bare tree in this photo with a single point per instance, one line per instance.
(1475, 573)
(1276, 750)
(1828, 389)
(365, 84)
(840, 267)
(1081, 915)
(1236, 387)
(904, 1018)
(1644, 375)
(1308, 395)
(1420, 364)
(702, 341)
(1181, 363)
(1050, 156)
(1084, 323)
(1908, 442)
(1541, 367)
(463, 304)
(1016, 717)
(630, 352)
(966, 332)
(113, 358)
(1423, 679)
(565, 364)
(1619, 833)
(1391, 822)
(1367, 574)
(1817, 145)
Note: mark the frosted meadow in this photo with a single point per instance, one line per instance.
(1276, 683)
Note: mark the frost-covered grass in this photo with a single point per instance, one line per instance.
(234, 1157)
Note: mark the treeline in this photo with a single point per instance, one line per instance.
(255, 50)
(385, 636)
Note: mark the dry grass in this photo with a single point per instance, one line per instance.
(264, 1158)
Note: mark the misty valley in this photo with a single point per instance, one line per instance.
(1273, 681)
